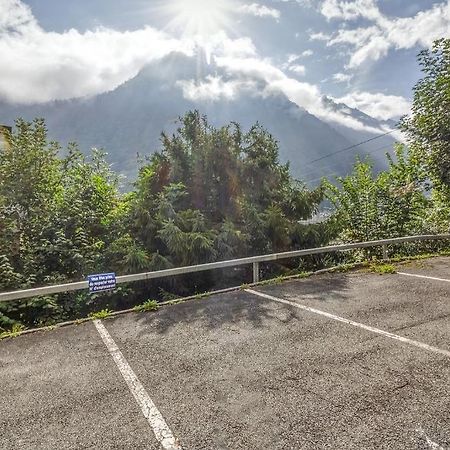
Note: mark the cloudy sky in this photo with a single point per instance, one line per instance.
(360, 52)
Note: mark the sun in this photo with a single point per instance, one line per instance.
(199, 18)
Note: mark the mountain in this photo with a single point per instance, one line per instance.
(128, 121)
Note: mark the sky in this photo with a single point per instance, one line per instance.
(359, 52)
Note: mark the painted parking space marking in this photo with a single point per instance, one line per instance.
(159, 426)
(353, 323)
(431, 444)
(423, 276)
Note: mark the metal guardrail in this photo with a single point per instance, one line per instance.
(255, 260)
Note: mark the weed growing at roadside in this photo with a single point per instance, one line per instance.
(272, 281)
(103, 314)
(202, 295)
(149, 305)
(16, 329)
(304, 275)
(383, 268)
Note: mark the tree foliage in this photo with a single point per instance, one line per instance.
(215, 193)
(413, 194)
(428, 127)
(56, 218)
(390, 204)
(208, 194)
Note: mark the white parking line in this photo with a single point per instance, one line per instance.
(149, 409)
(422, 276)
(351, 322)
(430, 443)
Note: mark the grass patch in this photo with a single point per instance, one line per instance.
(401, 258)
(175, 302)
(16, 329)
(383, 268)
(202, 295)
(303, 275)
(149, 305)
(349, 267)
(103, 314)
(413, 258)
(272, 281)
(344, 268)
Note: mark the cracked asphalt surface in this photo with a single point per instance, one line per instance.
(236, 371)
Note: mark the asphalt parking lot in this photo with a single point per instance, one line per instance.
(335, 361)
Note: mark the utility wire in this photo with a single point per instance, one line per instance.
(313, 172)
(349, 148)
(384, 147)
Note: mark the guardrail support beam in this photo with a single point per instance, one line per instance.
(385, 252)
(256, 272)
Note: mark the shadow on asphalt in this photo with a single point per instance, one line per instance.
(236, 307)
(322, 288)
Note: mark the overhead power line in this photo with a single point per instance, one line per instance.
(315, 171)
(351, 147)
(385, 147)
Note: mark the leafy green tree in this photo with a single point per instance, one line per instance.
(428, 127)
(390, 204)
(30, 181)
(356, 204)
(402, 189)
(212, 187)
(57, 214)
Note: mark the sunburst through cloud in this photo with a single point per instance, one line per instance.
(199, 18)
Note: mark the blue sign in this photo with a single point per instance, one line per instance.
(102, 282)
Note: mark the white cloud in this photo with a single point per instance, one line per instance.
(356, 37)
(378, 105)
(15, 15)
(255, 9)
(298, 69)
(304, 94)
(350, 10)
(342, 77)
(222, 44)
(255, 68)
(305, 3)
(292, 57)
(384, 33)
(40, 66)
(376, 48)
(214, 88)
(319, 37)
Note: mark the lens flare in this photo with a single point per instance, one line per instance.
(199, 18)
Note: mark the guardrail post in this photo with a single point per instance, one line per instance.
(256, 272)
(385, 252)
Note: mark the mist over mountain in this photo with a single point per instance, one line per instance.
(129, 120)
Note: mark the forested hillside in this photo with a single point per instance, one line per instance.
(208, 194)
